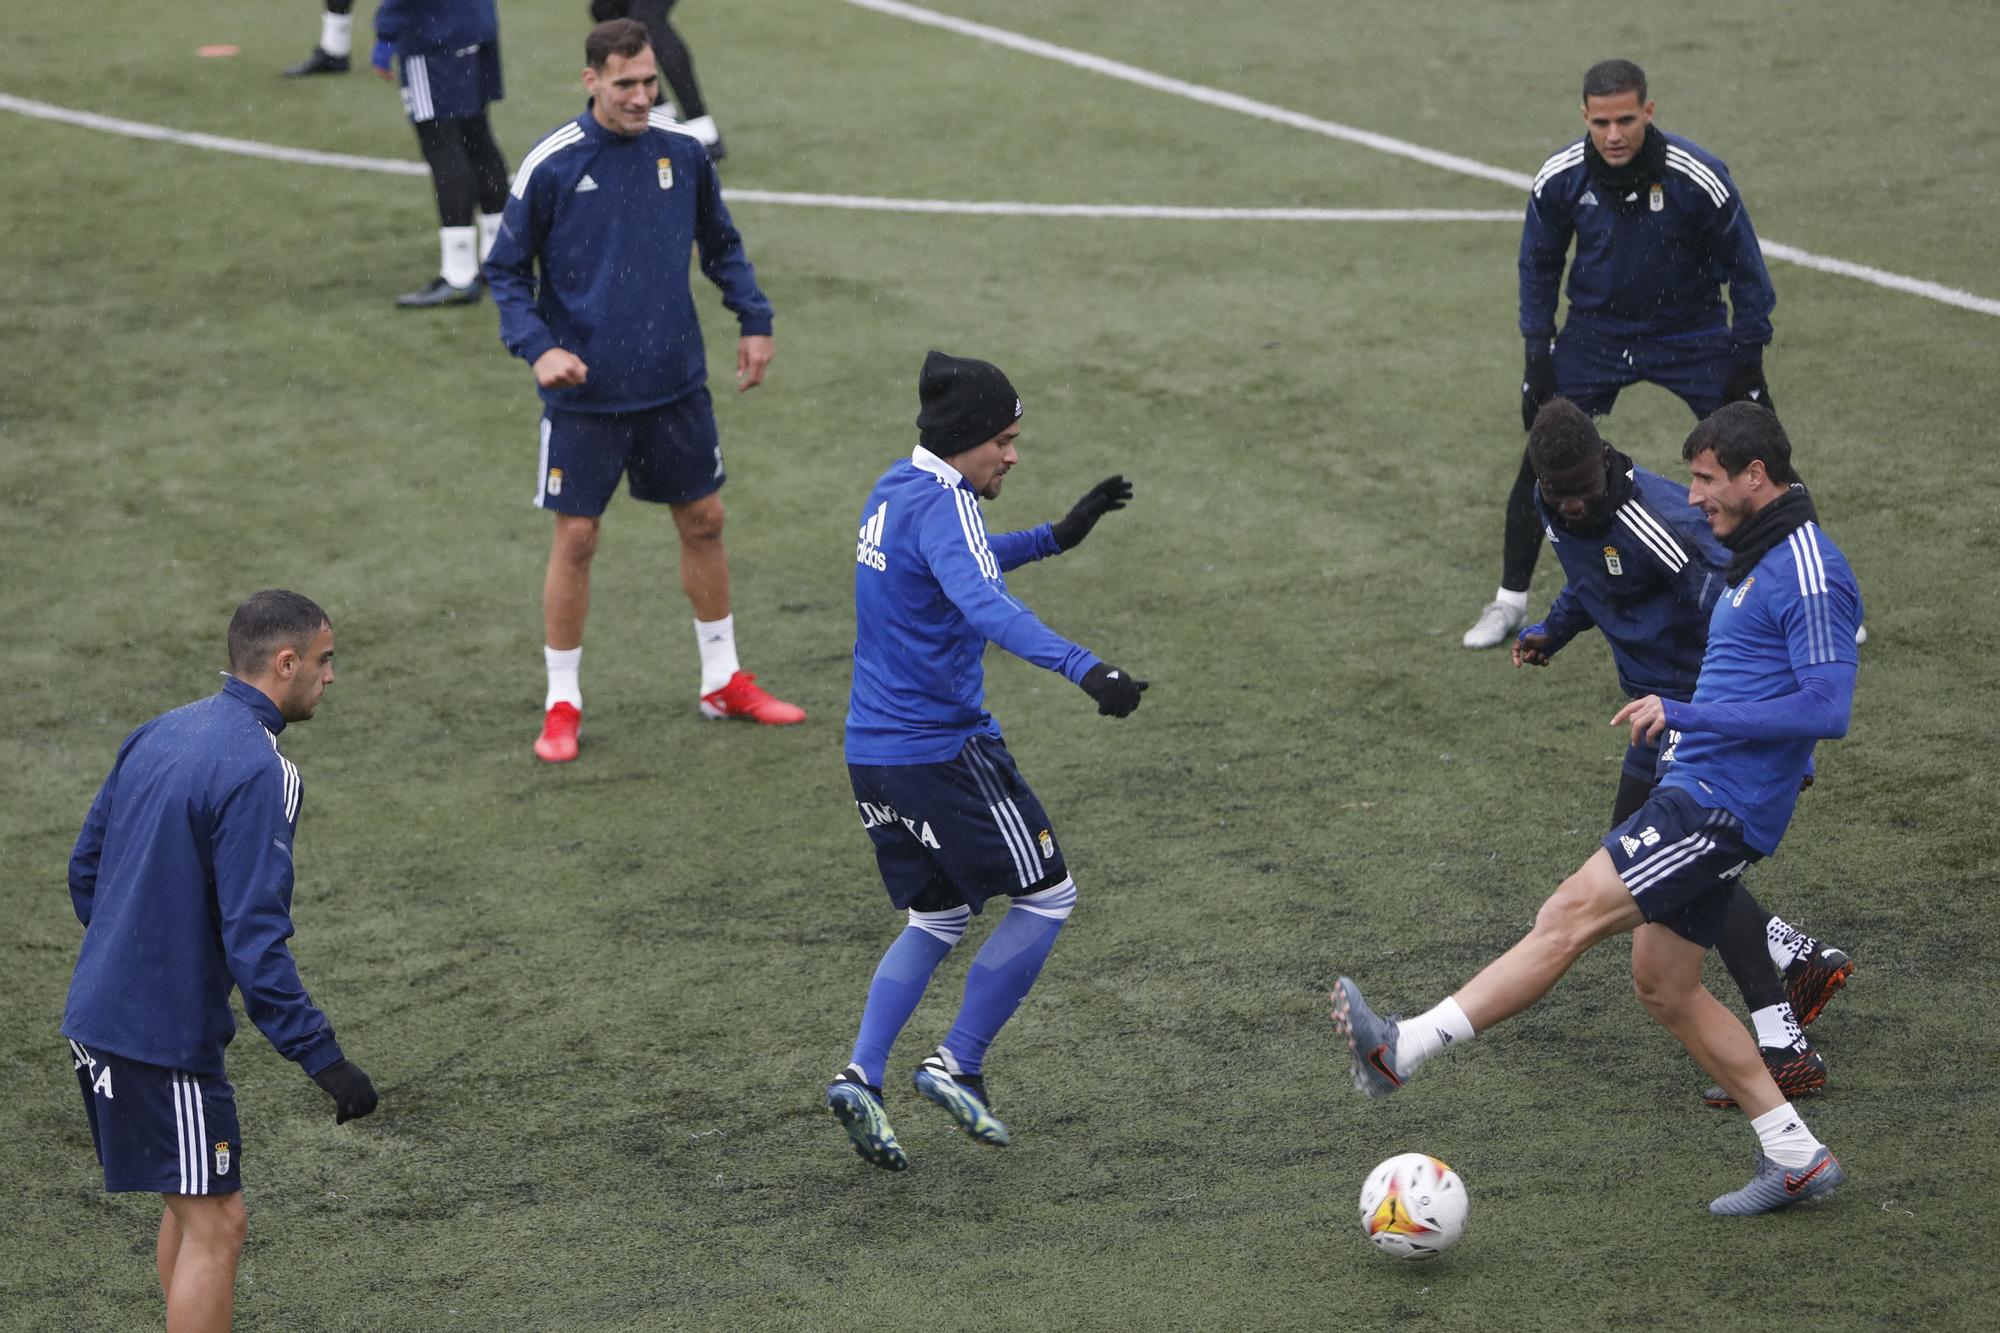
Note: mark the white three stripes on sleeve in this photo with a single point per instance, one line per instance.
(1557, 165)
(1691, 167)
(1658, 538)
(975, 532)
(1810, 567)
(541, 152)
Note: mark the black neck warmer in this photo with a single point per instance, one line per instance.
(1765, 529)
(1624, 184)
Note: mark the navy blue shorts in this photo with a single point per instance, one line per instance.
(157, 1130)
(1591, 369)
(671, 455)
(959, 832)
(451, 85)
(1681, 862)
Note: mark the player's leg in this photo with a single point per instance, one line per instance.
(336, 42)
(456, 184)
(582, 458)
(677, 461)
(489, 168)
(1591, 905)
(167, 1249)
(202, 1293)
(677, 69)
(1790, 1058)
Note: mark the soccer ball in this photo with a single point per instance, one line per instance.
(1413, 1206)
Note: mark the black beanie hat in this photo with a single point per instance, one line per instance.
(964, 403)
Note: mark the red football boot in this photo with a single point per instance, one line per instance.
(558, 743)
(743, 697)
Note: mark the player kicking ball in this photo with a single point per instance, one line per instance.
(953, 822)
(1777, 677)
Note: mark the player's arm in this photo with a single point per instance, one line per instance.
(392, 19)
(1819, 636)
(1732, 241)
(1015, 549)
(1545, 237)
(510, 274)
(89, 851)
(1567, 618)
(723, 259)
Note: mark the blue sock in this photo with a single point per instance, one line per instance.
(998, 980)
(899, 984)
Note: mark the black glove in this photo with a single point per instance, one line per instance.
(1538, 380)
(1117, 694)
(1746, 385)
(1099, 500)
(353, 1095)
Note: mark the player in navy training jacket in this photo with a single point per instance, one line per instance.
(182, 878)
(1642, 566)
(591, 277)
(951, 818)
(1777, 676)
(1658, 226)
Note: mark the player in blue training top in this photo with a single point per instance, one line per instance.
(609, 208)
(1658, 225)
(1777, 677)
(1641, 565)
(447, 54)
(182, 878)
(952, 820)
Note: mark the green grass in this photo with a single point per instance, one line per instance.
(600, 1001)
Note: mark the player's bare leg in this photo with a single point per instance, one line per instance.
(1666, 972)
(167, 1249)
(566, 586)
(201, 1297)
(1591, 905)
(704, 562)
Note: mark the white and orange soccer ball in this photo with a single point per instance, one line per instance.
(1413, 1206)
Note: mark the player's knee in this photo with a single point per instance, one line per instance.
(1663, 998)
(217, 1224)
(701, 520)
(1567, 918)
(576, 540)
(948, 925)
(1055, 902)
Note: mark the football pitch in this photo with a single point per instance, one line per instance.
(601, 1000)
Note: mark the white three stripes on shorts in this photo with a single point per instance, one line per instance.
(1675, 855)
(191, 1131)
(1006, 815)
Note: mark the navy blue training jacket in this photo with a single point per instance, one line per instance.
(1652, 270)
(609, 221)
(182, 878)
(1648, 582)
(418, 27)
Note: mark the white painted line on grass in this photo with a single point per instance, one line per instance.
(1382, 143)
(863, 203)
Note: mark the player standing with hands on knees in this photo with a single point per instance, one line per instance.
(608, 209)
(1777, 677)
(953, 822)
(182, 878)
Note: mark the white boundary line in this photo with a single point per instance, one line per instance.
(864, 203)
(1383, 143)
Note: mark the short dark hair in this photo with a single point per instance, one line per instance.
(1608, 78)
(619, 37)
(1562, 437)
(1740, 434)
(270, 620)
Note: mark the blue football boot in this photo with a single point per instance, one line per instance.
(964, 1095)
(1775, 1187)
(858, 1108)
(1371, 1040)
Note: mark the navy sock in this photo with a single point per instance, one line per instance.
(900, 979)
(999, 979)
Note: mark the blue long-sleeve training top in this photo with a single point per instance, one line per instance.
(609, 221)
(1650, 270)
(1777, 677)
(928, 597)
(182, 878)
(1648, 582)
(418, 27)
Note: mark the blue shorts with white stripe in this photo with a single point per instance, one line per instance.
(1681, 861)
(451, 85)
(158, 1130)
(959, 832)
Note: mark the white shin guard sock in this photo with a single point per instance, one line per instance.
(564, 665)
(458, 250)
(1785, 1138)
(1419, 1038)
(718, 652)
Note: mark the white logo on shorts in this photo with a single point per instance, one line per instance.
(222, 1159)
(555, 481)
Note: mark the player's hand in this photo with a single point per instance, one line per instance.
(353, 1095)
(1746, 385)
(560, 369)
(753, 353)
(1107, 495)
(379, 59)
(1531, 647)
(1116, 692)
(1648, 717)
(1538, 380)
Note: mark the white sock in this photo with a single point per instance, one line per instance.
(564, 664)
(336, 34)
(1419, 1038)
(1783, 943)
(458, 247)
(718, 652)
(1776, 1028)
(489, 227)
(1513, 601)
(1785, 1137)
(703, 128)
